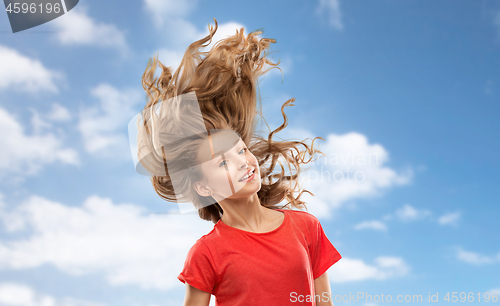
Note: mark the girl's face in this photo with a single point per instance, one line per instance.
(226, 173)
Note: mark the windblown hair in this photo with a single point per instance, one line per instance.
(224, 81)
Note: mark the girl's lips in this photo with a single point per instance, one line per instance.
(250, 177)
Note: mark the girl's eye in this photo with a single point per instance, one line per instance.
(225, 161)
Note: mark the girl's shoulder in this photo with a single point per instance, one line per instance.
(302, 216)
(207, 244)
(213, 237)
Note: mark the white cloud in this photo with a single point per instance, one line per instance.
(317, 205)
(374, 224)
(120, 241)
(104, 126)
(474, 258)
(170, 58)
(332, 9)
(23, 154)
(164, 10)
(409, 213)
(39, 124)
(348, 270)
(43, 122)
(21, 295)
(58, 113)
(15, 294)
(77, 28)
(450, 219)
(352, 169)
(25, 74)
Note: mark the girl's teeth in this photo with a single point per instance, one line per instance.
(247, 176)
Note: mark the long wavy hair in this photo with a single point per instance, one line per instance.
(225, 82)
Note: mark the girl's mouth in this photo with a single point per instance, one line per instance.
(248, 177)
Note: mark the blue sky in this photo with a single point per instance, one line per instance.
(413, 84)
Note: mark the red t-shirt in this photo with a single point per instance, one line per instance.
(274, 268)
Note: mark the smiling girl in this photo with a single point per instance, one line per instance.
(259, 252)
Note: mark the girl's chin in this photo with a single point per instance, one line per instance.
(246, 191)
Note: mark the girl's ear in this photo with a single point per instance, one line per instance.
(202, 189)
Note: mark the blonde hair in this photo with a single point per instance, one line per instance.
(224, 80)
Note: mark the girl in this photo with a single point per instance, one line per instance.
(258, 253)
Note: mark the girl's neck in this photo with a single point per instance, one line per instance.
(247, 215)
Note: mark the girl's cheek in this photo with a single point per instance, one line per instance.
(250, 156)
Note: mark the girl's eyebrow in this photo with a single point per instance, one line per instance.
(218, 155)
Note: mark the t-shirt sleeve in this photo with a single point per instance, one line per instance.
(323, 253)
(199, 270)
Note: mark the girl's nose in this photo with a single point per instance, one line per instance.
(245, 165)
